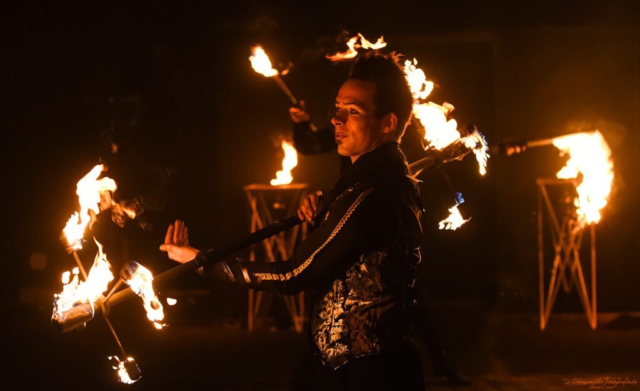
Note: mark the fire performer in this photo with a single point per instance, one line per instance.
(360, 257)
(313, 142)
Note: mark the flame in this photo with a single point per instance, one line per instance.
(140, 280)
(91, 192)
(454, 221)
(261, 63)
(353, 47)
(478, 144)
(439, 130)
(75, 292)
(289, 161)
(590, 159)
(120, 367)
(420, 86)
(171, 301)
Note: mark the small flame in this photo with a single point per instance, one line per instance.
(454, 221)
(478, 144)
(589, 158)
(75, 292)
(261, 63)
(120, 367)
(289, 161)
(171, 301)
(140, 280)
(353, 47)
(91, 192)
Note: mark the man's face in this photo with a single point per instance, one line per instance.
(357, 131)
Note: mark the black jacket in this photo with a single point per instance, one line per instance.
(358, 261)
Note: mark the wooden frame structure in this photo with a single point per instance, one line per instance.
(567, 272)
(269, 204)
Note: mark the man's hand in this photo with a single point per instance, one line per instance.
(176, 243)
(309, 207)
(299, 114)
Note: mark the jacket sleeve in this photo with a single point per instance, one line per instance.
(310, 142)
(354, 226)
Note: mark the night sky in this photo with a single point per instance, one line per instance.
(170, 83)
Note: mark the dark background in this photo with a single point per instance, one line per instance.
(171, 84)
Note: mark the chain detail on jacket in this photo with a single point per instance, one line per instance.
(305, 264)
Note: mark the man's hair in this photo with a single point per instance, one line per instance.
(393, 94)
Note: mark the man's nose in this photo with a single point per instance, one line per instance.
(338, 119)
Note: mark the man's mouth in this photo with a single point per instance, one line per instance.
(340, 136)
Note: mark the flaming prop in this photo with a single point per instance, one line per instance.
(85, 298)
(440, 131)
(289, 162)
(589, 162)
(260, 63)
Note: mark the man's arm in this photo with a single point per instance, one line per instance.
(306, 139)
(351, 229)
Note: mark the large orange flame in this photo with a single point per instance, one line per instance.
(589, 159)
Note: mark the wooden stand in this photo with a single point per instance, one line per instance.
(270, 204)
(567, 235)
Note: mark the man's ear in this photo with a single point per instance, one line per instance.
(389, 123)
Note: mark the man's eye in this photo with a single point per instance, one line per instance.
(353, 112)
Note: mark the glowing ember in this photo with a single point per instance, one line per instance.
(77, 292)
(89, 190)
(454, 221)
(171, 301)
(140, 280)
(289, 161)
(590, 160)
(121, 367)
(353, 46)
(261, 63)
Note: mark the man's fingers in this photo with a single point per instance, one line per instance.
(177, 232)
(169, 236)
